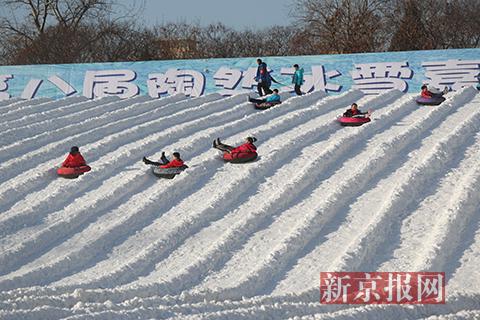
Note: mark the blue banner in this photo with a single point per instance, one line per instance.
(369, 72)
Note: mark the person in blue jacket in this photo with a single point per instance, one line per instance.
(297, 79)
(274, 98)
(263, 79)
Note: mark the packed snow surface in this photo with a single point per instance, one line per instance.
(235, 241)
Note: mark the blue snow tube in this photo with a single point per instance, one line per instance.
(433, 101)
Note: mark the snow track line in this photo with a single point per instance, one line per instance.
(123, 108)
(108, 135)
(426, 235)
(49, 236)
(466, 276)
(32, 125)
(213, 157)
(199, 263)
(277, 128)
(314, 216)
(460, 219)
(438, 147)
(147, 107)
(59, 111)
(421, 173)
(354, 254)
(51, 110)
(458, 304)
(30, 107)
(19, 109)
(5, 104)
(116, 277)
(29, 181)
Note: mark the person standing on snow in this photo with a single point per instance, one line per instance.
(263, 79)
(297, 79)
(165, 164)
(74, 159)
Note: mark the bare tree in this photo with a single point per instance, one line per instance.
(24, 24)
(343, 26)
(411, 32)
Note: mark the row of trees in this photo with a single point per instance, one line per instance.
(68, 31)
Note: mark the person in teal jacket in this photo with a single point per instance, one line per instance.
(274, 98)
(297, 79)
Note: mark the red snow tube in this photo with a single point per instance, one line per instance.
(353, 121)
(72, 172)
(239, 157)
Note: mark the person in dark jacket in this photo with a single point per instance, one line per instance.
(274, 98)
(165, 163)
(354, 111)
(74, 159)
(297, 79)
(264, 81)
(248, 146)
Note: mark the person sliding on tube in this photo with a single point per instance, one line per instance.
(165, 163)
(274, 98)
(248, 146)
(354, 112)
(432, 92)
(74, 159)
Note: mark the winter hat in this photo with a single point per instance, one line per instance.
(74, 149)
(251, 139)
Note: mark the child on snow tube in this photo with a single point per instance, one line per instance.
(243, 153)
(268, 102)
(74, 165)
(432, 92)
(165, 168)
(74, 159)
(431, 95)
(354, 112)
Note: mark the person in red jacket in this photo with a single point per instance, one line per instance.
(177, 162)
(354, 111)
(74, 159)
(429, 93)
(425, 93)
(248, 146)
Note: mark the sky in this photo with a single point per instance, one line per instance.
(240, 14)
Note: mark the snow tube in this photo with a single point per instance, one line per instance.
(265, 105)
(433, 101)
(353, 121)
(239, 157)
(167, 173)
(72, 172)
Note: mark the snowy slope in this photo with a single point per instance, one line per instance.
(226, 241)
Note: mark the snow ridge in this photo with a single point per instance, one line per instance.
(235, 241)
